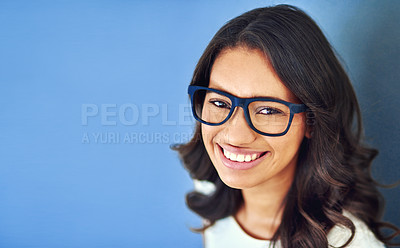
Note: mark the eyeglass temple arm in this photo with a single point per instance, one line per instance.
(299, 108)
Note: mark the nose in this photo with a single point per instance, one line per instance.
(237, 130)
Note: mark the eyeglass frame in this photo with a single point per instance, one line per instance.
(295, 108)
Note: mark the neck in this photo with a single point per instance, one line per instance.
(262, 210)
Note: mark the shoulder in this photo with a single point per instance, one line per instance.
(363, 237)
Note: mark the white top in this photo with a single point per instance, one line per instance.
(227, 233)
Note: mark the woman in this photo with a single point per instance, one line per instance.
(279, 137)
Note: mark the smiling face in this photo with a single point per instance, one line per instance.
(243, 158)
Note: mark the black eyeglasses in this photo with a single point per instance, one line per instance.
(266, 116)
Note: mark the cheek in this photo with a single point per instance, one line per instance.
(288, 145)
(208, 133)
(298, 122)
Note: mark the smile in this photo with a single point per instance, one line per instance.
(239, 159)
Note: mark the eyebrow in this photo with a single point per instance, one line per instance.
(253, 96)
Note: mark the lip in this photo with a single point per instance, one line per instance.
(240, 165)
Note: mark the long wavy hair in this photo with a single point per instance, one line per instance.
(333, 170)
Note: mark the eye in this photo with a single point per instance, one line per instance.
(270, 111)
(220, 104)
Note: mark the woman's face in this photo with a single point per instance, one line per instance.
(247, 73)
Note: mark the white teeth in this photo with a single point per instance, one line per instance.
(240, 157)
(226, 153)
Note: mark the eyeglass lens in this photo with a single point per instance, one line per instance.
(266, 116)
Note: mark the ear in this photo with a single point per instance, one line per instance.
(310, 121)
(309, 131)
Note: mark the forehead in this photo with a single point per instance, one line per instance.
(247, 73)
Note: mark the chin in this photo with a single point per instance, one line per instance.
(235, 179)
(237, 185)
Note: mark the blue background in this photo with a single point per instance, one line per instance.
(56, 56)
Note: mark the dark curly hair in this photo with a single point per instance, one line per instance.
(333, 171)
